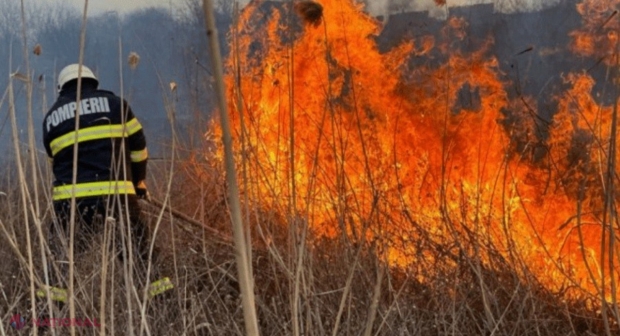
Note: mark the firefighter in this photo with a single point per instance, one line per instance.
(111, 171)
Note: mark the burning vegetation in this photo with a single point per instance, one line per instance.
(433, 166)
(310, 11)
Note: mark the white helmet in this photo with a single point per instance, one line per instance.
(70, 72)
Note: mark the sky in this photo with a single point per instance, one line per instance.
(376, 7)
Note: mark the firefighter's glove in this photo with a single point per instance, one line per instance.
(141, 191)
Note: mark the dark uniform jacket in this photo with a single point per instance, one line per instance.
(112, 153)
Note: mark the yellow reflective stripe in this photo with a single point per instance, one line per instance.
(141, 155)
(86, 134)
(133, 126)
(94, 189)
(95, 133)
(56, 294)
(160, 286)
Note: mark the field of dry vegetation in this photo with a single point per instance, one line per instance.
(344, 288)
(353, 225)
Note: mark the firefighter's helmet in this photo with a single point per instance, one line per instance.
(71, 71)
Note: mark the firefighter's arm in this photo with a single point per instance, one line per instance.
(138, 153)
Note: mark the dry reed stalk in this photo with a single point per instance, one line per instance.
(12, 242)
(372, 311)
(112, 290)
(31, 139)
(71, 289)
(609, 214)
(311, 14)
(475, 265)
(34, 206)
(611, 196)
(105, 254)
(349, 283)
(361, 238)
(123, 218)
(23, 191)
(245, 276)
(297, 245)
(244, 132)
(171, 110)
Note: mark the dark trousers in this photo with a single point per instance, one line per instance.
(91, 218)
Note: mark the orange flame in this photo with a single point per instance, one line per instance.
(367, 148)
(598, 35)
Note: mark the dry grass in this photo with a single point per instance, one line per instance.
(206, 300)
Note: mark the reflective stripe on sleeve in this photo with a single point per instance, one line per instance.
(138, 156)
(133, 126)
(89, 189)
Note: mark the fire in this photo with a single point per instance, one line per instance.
(598, 35)
(365, 148)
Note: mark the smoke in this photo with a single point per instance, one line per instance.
(517, 6)
(375, 7)
(386, 7)
(120, 6)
